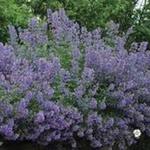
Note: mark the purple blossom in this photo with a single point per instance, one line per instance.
(94, 118)
(93, 103)
(88, 75)
(13, 35)
(39, 117)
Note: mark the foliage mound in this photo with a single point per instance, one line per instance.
(61, 83)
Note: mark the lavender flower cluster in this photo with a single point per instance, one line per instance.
(101, 96)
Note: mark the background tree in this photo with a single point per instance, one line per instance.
(12, 13)
(89, 13)
(142, 23)
(97, 13)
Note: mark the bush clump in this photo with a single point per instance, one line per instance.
(61, 83)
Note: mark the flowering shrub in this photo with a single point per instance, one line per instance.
(59, 82)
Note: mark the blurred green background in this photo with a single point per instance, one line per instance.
(90, 13)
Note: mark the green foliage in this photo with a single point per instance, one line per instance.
(12, 13)
(142, 26)
(90, 13)
(97, 13)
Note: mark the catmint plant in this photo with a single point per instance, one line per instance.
(60, 82)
